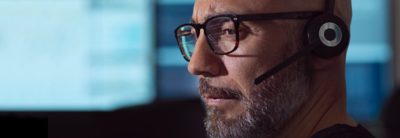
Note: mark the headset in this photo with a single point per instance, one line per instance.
(326, 36)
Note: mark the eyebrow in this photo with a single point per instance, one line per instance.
(192, 21)
(208, 16)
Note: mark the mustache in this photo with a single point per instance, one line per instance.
(208, 91)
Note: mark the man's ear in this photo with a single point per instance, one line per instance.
(317, 63)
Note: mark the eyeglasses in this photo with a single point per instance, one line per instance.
(222, 31)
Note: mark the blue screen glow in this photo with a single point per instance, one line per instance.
(75, 54)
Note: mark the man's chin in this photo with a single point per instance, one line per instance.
(223, 122)
(226, 108)
(217, 117)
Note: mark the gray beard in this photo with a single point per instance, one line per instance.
(268, 107)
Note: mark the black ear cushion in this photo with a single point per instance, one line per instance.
(330, 33)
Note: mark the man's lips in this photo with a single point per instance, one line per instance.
(219, 100)
(214, 96)
(220, 96)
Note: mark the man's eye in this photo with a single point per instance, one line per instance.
(228, 31)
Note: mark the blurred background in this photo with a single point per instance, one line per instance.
(112, 67)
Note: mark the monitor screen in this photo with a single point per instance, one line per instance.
(75, 54)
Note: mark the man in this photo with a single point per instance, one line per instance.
(231, 43)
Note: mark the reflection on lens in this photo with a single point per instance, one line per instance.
(221, 34)
(187, 39)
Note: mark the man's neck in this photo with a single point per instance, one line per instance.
(325, 107)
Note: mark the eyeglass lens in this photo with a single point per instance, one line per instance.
(187, 38)
(220, 33)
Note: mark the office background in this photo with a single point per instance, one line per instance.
(104, 55)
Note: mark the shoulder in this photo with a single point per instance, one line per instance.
(343, 131)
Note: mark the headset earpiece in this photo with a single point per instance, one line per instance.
(326, 36)
(330, 33)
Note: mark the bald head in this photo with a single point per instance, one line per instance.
(342, 7)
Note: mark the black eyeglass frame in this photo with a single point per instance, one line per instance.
(237, 19)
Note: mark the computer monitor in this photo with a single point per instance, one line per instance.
(75, 54)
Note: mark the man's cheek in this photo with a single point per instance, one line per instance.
(243, 70)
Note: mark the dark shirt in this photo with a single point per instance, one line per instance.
(343, 131)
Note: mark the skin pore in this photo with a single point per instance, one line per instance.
(296, 102)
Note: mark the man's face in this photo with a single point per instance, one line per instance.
(235, 106)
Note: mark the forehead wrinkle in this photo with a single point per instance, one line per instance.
(208, 8)
(205, 9)
(202, 11)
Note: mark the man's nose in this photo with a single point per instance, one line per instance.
(203, 61)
